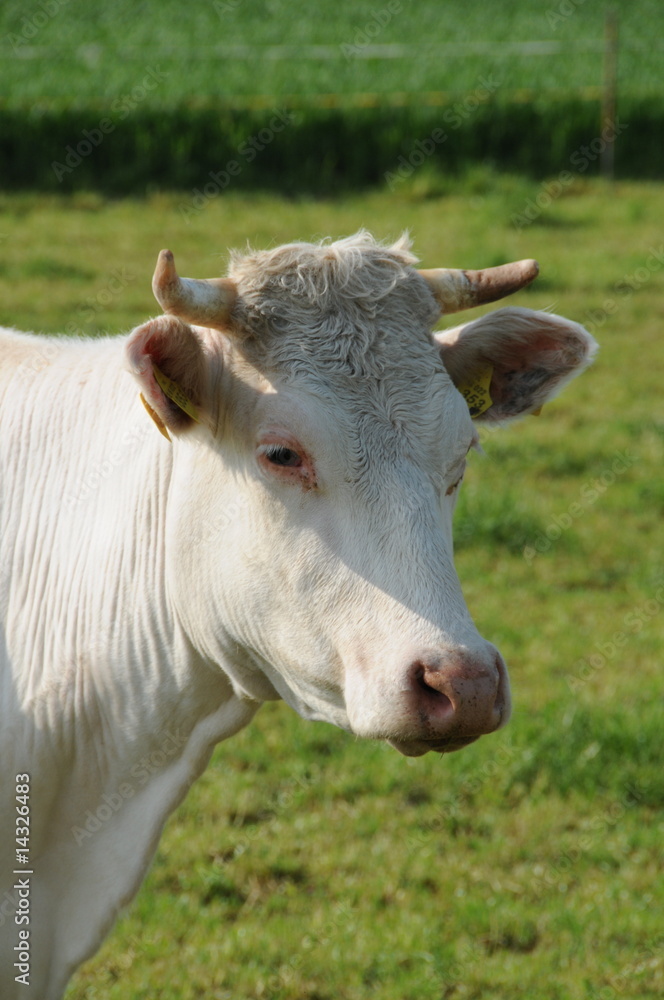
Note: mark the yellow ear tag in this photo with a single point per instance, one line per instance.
(536, 413)
(174, 392)
(161, 426)
(476, 393)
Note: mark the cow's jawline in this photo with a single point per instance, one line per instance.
(417, 748)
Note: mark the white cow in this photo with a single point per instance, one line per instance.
(287, 535)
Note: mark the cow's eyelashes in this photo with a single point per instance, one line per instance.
(457, 482)
(287, 464)
(279, 455)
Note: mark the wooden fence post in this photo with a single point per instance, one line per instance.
(609, 90)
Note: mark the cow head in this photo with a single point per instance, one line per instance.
(319, 433)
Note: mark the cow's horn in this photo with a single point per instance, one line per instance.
(206, 302)
(456, 290)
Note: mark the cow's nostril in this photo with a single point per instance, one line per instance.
(429, 688)
(429, 683)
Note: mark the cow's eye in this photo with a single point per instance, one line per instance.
(279, 455)
(284, 460)
(455, 485)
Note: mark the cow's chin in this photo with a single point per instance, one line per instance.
(417, 748)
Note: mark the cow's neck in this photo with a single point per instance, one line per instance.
(112, 677)
(114, 714)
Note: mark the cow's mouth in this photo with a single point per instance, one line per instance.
(417, 748)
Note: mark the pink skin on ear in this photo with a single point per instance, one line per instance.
(172, 346)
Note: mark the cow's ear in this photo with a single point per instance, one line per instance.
(168, 361)
(510, 362)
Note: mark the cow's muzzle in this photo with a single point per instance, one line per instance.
(453, 698)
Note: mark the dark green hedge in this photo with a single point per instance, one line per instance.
(311, 150)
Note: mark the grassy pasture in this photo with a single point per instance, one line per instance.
(306, 865)
(134, 98)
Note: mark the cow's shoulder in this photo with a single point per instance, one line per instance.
(16, 347)
(24, 355)
(20, 349)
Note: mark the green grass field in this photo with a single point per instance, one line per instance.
(87, 52)
(306, 865)
(130, 99)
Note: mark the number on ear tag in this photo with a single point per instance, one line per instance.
(476, 393)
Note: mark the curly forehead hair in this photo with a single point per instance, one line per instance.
(329, 297)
